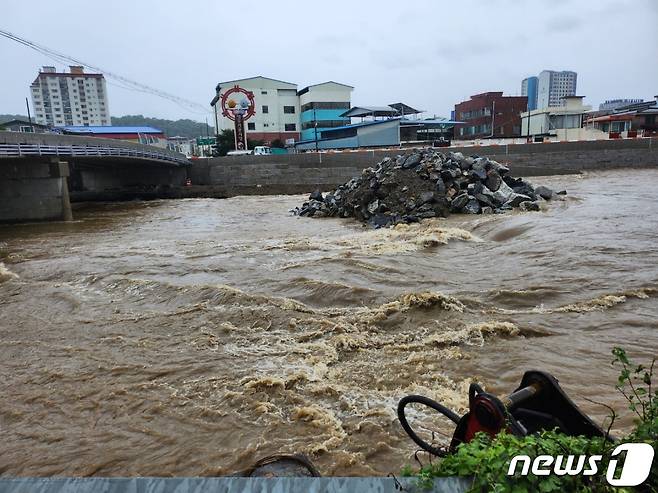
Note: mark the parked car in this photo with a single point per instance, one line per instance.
(262, 151)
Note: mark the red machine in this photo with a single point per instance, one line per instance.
(539, 403)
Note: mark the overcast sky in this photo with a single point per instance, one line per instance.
(428, 54)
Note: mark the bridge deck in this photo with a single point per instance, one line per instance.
(21, 144)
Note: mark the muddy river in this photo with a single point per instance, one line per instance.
(192, 337)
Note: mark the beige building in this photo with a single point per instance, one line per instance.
(557, 123)
(276, 108)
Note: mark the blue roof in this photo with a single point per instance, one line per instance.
(430, 121)
(356, 125)
(111, 130)
(362, 124)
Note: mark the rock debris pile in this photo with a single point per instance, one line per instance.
(427, 184)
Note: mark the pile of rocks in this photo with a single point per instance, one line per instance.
(427, 184)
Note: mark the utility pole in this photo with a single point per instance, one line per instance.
(29, 116)
(493, 117)
(315, 126)
(213, 103)
(527, 137)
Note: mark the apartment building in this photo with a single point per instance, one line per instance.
(529, 89)
(70, 98)
(554, 86)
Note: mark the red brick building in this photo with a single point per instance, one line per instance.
(490, 115)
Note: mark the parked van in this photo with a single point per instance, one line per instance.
(262, 151)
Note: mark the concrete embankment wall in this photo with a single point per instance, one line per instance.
(300, 173)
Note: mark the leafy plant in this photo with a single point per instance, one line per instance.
(635, 384)
(487, 459)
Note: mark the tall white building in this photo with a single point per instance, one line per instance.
(75, 98)
(553, 86)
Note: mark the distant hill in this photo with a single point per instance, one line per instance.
(185, 128)
(8, 118)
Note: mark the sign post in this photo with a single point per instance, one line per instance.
(238, 108)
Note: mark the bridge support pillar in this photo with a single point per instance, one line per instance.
(34, 189)
(60, 169)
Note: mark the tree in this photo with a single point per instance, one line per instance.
(225, 142)
(185, 128)
(278, 143)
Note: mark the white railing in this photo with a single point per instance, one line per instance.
(27, 150)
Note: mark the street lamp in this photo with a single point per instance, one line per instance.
(213, 103)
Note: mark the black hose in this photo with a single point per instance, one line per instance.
(426, 401)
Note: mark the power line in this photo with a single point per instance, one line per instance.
(123, 81)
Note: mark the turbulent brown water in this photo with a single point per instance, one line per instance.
(192, 337)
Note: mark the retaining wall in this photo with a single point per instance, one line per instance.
(300, 173)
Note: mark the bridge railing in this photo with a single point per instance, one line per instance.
(25, 150)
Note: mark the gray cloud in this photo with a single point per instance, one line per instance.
(428, 54)
(564, 23)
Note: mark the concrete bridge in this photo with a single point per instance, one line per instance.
(40, 174)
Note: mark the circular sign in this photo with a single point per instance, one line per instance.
(238, 101)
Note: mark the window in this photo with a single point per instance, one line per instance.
(263, 92)
(251, 126)
(290, 127)
(290, 110)
(325, 124)
(265, 109)
(327, 106)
